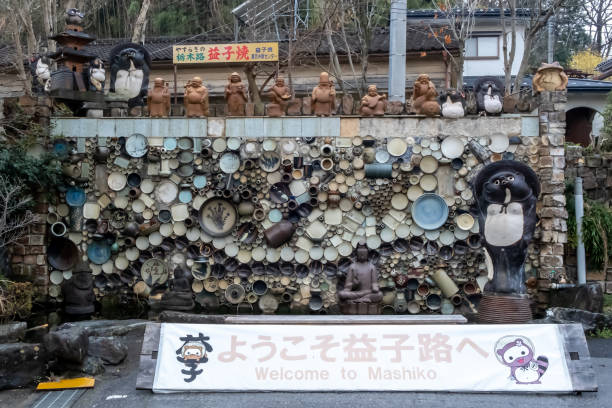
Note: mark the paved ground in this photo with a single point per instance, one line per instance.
(115, 389)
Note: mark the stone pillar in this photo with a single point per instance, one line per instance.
(553, 215)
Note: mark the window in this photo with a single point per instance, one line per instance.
(482, 47)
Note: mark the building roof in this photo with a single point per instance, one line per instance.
(604, 66)
(479, 13)
(160, 48)
(573, 85)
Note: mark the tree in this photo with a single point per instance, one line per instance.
(138, 35)
(585, 61)
(598, 15)
(15, 215)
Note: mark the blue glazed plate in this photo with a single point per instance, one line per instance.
(98, 252)
(429, 211)
(75, 197)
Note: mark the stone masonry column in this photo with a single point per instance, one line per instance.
(553, 215)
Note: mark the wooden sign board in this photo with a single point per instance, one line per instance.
(229, 53)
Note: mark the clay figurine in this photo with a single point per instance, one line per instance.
(361, 285)
(506, 193)
(235, 96)
(279, 94)
(97, 75)
(324, 96)
(550, 77)
(78, 292)
(196, 99)
(373, 104)
(489, 95)
(453, 104)
(130, 65)
(158, 99)
(41, 74)
(179, 297)
(424, 97)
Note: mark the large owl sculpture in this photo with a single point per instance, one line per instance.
(506, 194)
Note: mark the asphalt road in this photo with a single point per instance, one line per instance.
(115, 389)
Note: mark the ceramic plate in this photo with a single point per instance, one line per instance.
(217, 217)
(499, 143)
(397, 146)
(452, 147)
(117, 181)
(465, 221)
(185, 143)
(219, 145)
(269, 161)
(75, 197)
(414, 192)
(429, 211)
(399, 201)
(166, 192)
(429, 164)
(229, 163)
(136, 145)
(199, 181)
(98, 252)
(428, 182)
(170, 143)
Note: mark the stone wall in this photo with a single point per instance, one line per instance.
(366, 204)
(551, 170)
(596, 172)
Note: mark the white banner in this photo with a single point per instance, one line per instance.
(206, 357)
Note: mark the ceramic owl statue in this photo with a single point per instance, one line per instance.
(506, 193)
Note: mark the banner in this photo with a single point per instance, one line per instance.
(203, 357)
(236, 52)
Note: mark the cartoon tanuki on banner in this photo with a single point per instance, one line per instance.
(193, 352)
(517, 352)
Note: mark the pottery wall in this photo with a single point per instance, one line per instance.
(203, 198)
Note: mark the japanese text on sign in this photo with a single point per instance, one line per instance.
(214, 53)
(381, 357)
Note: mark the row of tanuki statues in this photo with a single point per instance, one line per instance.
(323, 98)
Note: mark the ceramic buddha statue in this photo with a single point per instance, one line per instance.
(361, 286)
(196, 99)
(324, 96)
(279, 94)
(179, 297)
(424, 97)
(78, 292)
(158, 99)
(235, 96)
(373, 104)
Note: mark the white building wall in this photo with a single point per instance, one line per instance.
(480, 67)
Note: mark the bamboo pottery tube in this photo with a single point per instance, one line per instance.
(445, 283)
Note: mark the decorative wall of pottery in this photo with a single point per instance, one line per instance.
(271, 225)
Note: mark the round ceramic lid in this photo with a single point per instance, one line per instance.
(136, 145)
(116, 181)
(56, 277)
(345, 248)
(154, 272)
(217, 217)
(461, 234)
(499, 143)
(382, 156)
(166, 192)
(402, 231)
(373, 242)
(142, 243)
(185, 143)
(199, 181)
(147, 186)
(258, 254)
(155, 238)
(272, 255)
(397, 146)
(185, 157)
(229, 163)
(98, 252)
(170, 143)
(287, 254)
(432, 235)
(452, 147)
(316, 253)
(429, 164)
(302, 256)
(429, 211)
(387, 234)
(288, 146)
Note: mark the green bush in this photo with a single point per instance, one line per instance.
(44, 173)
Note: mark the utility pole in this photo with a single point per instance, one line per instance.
(397, 52)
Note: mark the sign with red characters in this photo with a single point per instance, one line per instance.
(235, 52)
(204, 357)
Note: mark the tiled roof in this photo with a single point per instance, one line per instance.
(160, 48)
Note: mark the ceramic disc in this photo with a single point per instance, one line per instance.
(452, 147)
(428, 164)
(397, 146)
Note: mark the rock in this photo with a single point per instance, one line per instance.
(586, 297)
(68, 343)
(93, 366)
(110, 349)
(590, 321)
(107, 328)
(21, 364)
(182, 317)
(12, 332)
